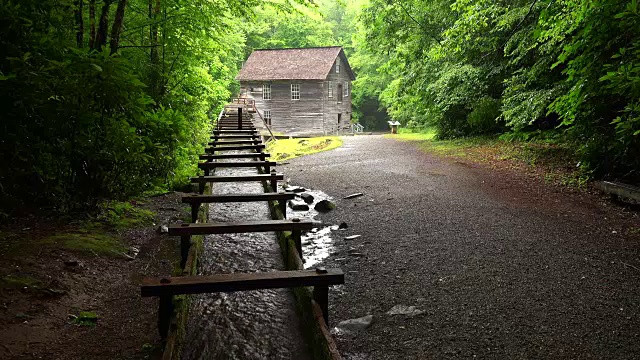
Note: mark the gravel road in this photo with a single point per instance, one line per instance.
(502, 268)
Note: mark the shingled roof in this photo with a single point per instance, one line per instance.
(292, 64)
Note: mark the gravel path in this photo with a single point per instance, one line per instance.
(501, 268)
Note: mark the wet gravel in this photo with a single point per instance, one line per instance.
(243, 325)
(501, 268)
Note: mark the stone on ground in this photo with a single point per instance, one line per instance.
(355, 324)
(324, 206)
(405, 310)
(308, 198)
(298, 205)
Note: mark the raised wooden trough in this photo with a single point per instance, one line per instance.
(237, 134)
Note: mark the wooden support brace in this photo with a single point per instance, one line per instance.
(210, 157)
(185, 229)
(201, 186)
(297, 239)
(165, 310)
(321, 296)
(240, 282)
(225, 198)
(274, 181)
(283, 208)
(195, 208)
(240, 118)
(185, 245)
(167, 287)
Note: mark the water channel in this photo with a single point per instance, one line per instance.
(245, 325)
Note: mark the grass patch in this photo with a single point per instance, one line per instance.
(85, 318)
(553, 160)
(409, 135)
(286, 149)
(94, 242)
(19, 281)
(120, 215)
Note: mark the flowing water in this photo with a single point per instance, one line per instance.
(259, 324)
(318, 244)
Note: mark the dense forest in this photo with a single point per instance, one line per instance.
(105, 99)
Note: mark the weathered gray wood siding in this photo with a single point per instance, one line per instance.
(331, 105)
(304, 116)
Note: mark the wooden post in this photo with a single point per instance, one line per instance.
(201, 186)
(262, 156)
(195, 208)
(274, 182)
(321, 296)
(240, 117)
(185, 244)
(164, 315)
(283, 207)
(297, 238)
(206, 172)
(286, 253)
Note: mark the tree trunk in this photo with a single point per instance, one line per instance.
(79, 24)
(154, 12)
(92, 23)
(101, 36)
(116, 29)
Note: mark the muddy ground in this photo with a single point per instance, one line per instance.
(46, 282)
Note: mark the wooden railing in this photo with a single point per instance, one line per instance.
(255, 109)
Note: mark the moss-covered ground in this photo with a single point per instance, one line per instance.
(286, 149)
(551, 159)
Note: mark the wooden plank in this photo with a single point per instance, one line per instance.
(233, 148)
(233, 156)
(232, 127)
(239, 282)
(248, 136)
(233, 164)
(235, 142)
(231, 123)
(216, 131)
(190, 229)
(242, 178)
(224, 198)
(223, 128)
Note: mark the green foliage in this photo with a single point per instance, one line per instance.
(469, 67)
(85, 121)
(122, 215)
(91, 242)
(483, 119)
(85, 318)
(19, 281)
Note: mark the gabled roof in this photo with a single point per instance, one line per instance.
(293, 64)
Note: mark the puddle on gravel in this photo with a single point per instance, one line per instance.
(243, 325)
(318, 244)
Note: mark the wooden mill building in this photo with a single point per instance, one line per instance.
(303, 91)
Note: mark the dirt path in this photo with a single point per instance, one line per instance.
(502, 266)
